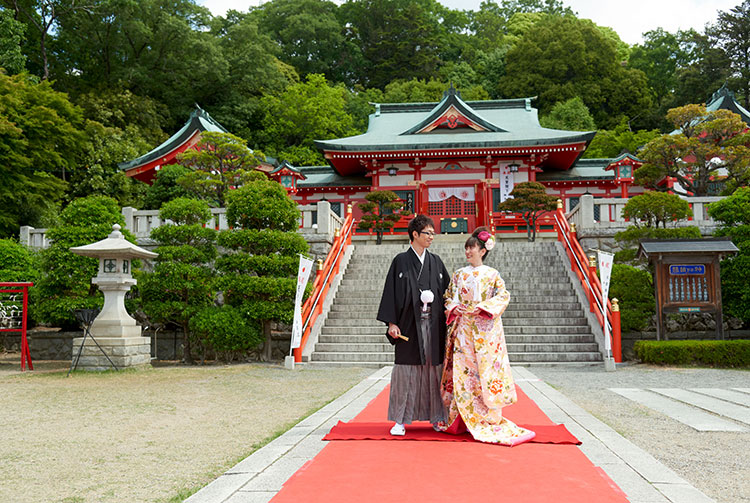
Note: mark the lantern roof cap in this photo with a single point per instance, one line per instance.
(114, 245)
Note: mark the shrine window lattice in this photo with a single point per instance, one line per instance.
(453, 207)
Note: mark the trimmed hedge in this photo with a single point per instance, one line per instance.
(734, 353)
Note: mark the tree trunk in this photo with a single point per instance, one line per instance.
(187, 355)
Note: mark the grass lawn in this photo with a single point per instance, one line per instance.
(153, 435)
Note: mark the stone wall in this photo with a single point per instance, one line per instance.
(53, 344)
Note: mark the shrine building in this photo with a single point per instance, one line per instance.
(457, 160)
(454, 160)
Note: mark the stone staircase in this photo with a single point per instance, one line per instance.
(544, 322)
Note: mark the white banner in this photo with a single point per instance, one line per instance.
(303, 273)
(506, 183)
(442, 193)
(605, 273)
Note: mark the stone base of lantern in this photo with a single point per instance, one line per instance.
(125, 352)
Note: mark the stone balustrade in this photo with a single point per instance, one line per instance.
(598, 220)
(606, 213)
(317, 223)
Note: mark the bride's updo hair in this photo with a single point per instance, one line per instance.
(483, 238)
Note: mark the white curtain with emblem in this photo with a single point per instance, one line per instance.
(443, 193)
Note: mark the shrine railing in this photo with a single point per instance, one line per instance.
(585, 270)
(13, 315)
(327, 271)
(513, 223)
(314, 218)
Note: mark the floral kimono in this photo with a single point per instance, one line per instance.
(477, 382)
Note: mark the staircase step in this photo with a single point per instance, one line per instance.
(353, 339)
(510, 314)
(343, 347)
(509, 330)
(553, 348)
(549, 339)
(545, 324)
(536, 329)
(349, 356)
(515, 306)
(342, 320)
(555, 357)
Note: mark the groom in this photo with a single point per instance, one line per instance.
(412, 306)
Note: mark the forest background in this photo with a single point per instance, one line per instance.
(86, 84)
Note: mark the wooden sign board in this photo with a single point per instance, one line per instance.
(686, 277)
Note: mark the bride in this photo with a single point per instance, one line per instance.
(477, 381)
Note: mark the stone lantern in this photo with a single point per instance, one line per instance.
(115, 331)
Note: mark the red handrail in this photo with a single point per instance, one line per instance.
(586, 274)
(313, 306)
(22, 288)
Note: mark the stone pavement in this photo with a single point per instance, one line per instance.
(642, 478)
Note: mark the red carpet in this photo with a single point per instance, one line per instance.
(373, 471)
(356, 430)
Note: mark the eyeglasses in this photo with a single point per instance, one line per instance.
(428, 233)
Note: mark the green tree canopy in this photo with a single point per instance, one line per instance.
(260, 265)
(653, 208)
(611, 143)
(732, 34)
(572, 115)
(163, 50)
(181, 284)
(219, 162)
(40, 142)
(564, 57)
(65, 284)
(254, 70)
(11, 37)
(307, 111)
(381, 212)
(734, 214)
(398, 38)
(311, 37)
(531, 200)
(706, 143)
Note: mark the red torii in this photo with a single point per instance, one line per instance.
(17, 288)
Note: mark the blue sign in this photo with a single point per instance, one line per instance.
(687, 270)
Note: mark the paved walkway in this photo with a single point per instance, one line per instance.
(643, 479)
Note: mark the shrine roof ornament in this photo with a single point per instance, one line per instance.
(452, 113)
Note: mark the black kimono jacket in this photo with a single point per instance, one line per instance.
(400, 304)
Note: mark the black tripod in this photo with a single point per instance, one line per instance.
(86, 317)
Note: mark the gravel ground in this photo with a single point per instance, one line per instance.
(717, 463)
(154, 435)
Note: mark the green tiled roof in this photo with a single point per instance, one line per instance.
(583, 169)
(723, 99)
(199, 120)
(325, 176)
(516, 124)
